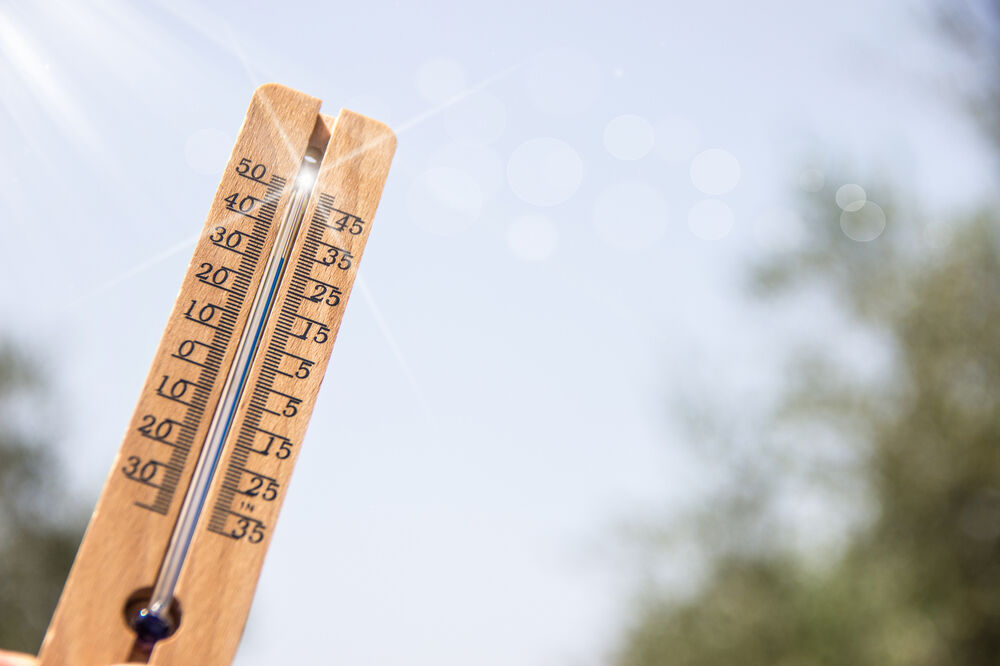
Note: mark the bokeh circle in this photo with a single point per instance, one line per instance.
(544, 171)
(710, 219)
(851, 197)
(628, 137)
(715, 171)
(864, 224)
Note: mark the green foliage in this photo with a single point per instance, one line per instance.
(918, 581)
(36, 546)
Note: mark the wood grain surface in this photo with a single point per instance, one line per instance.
(128, 533)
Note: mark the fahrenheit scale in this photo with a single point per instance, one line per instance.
(169, 563)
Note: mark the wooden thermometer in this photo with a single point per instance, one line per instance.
(168, 566)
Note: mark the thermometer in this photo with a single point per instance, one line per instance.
(167, 568)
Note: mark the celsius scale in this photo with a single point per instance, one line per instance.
(167, 568)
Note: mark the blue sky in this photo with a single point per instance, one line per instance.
(577, 192)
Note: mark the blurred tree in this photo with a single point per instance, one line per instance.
(37, 539)
(916, 578)
(919, 581)
(974, 27)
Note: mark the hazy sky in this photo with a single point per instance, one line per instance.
(559, 250)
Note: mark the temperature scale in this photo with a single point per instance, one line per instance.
(169, 563)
